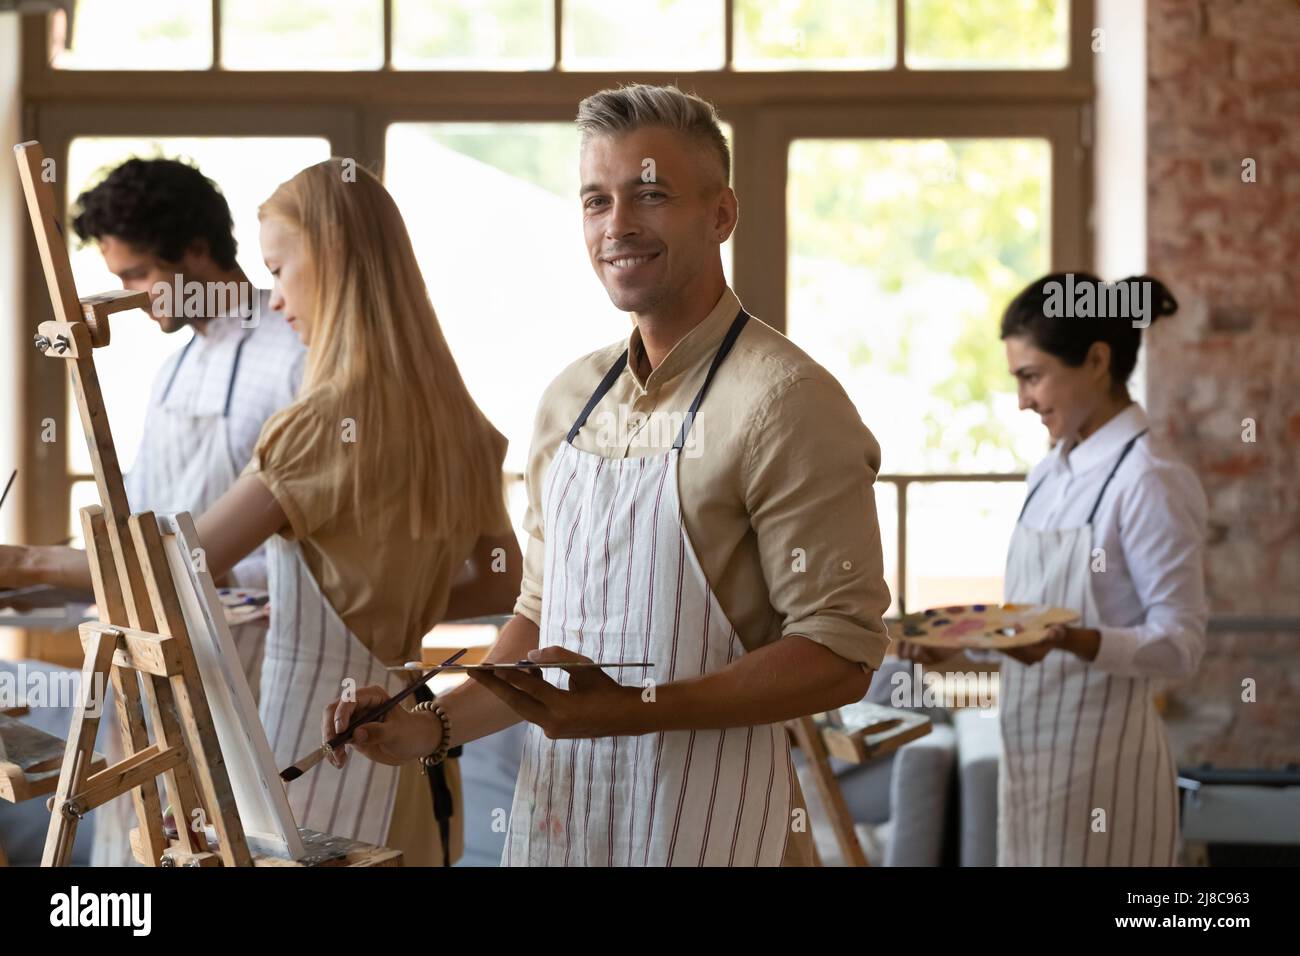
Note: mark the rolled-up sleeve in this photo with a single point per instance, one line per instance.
(1162, 531)
(808, 476)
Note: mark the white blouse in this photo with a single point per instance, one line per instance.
(1151, 527)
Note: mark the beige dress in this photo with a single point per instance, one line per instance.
(348, 604)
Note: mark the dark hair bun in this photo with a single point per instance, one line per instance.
(1163, 302)
(1035, 313)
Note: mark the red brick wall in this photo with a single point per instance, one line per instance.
(1223, 87)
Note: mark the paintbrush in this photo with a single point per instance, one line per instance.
(8, 484)
(377, 713)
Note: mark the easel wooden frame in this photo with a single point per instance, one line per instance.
(142, 642)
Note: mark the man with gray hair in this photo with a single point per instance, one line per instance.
(741, 586)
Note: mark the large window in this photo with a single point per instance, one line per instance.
(902, 253)
(903, 166)
(658, 35)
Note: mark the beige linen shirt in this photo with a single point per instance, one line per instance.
(775, 481)
(388, 588)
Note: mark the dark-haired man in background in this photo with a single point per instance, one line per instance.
(165, 229)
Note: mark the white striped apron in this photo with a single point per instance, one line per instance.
(309, 652)
(1086, 777)
(623, 581)
(191, 467)
(192, 456)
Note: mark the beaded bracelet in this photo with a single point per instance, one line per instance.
(437, 757)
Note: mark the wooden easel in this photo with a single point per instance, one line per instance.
(141, 642)
(141, 637)
(858, 734)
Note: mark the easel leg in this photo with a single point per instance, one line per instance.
(81, 739)
(809, 739)
(179, 781)
(135, 737)
(130, 709)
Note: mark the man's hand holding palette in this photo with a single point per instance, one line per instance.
(992, 626)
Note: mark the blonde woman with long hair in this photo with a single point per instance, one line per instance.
(379, 491)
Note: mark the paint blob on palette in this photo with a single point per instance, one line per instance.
(242, 605)
(982, 625)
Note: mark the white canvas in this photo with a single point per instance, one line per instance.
(259, 792)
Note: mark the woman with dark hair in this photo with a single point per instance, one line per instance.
(1114, 529)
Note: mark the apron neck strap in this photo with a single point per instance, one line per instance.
(230, 385)
(733, 333)
(1028, 498)
(615, 370)
(234, 371)
(179, 362)
(1104, 485)
(605, 385)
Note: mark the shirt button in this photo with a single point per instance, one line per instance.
(846, 565)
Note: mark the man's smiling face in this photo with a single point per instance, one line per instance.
(648, 241)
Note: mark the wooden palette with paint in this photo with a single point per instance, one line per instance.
(982, 625)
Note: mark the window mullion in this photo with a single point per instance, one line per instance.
(729, 34)
(900, 543)
(559, 35)
(216, 34)
(900, 34)
(388, 34)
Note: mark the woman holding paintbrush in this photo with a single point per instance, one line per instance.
(1113, 529)
(374, 489)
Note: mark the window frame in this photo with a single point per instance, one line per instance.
(766, 110)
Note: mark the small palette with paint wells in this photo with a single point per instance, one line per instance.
(982, 625)
(242, 605)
